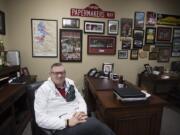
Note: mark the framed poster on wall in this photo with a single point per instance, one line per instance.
(101, 44)
(44, 38)
(70, 45)
(2, 23)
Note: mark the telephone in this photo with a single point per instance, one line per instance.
(92, 72)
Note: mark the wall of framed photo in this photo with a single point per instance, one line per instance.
(133, 28)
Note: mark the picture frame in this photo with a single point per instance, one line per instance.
(94, 27)
(126, 27)
(134, 54)
(24, 71)
(70, 45)
(150, 35)
(164, 54)
(105, 45)
(70, 22)
(107, 68)
(113, 27)
(139, 20)
(167, 19)
(153, 55)
(126, 44)
(44, 37)
(137, 43)
(150, 18)
(176, 43)
(122, 54)
(138, 34)
(2, 23)
(164, 34)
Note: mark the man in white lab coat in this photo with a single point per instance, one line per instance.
(60, 107)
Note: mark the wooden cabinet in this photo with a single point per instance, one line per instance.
(14, 112)
(155, 84)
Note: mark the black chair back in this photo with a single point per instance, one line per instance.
(31, 88)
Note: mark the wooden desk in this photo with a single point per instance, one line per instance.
(124, 118)
(156, 85)
(14, 113)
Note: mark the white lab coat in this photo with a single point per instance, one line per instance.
(51, 109)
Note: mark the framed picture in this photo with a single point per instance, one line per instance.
(176, 42)
(134, 54)
(70, 22)
(113, 27)
(2, 23)
(150, 18)
(122, 54)
(126, 27)
(70, 45)
(153, 55)
(164, 54)
(107, 68)
(138, 34)
(101, 44)
(44, 38)
(139, 20)
(150, 35)
(137, 43)
(166, 19)
(94, 27)
(164, 34)
(24, 71)
(126, 44)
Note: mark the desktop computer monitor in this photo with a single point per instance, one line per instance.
(13, 58)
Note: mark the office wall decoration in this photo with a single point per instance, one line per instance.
(94, 27)
(70, 45)
(176, 42)
(107, 68)
(70, 22)
(137, 44)
(165, 19)
(101, 45)
(134, 54)
(164, 54)
(150, 18)
(126, 44)
(44, 38)
(2, 23)
(126, 27)
(164, 34)
(153, 55)
(93, 10)
(138, 34)
(122, 54)
(139, 20)
(113, 27)
(150, 35)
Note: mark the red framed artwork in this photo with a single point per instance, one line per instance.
(101, 45)
(164, 34)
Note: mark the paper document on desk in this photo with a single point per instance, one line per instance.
(147, 95)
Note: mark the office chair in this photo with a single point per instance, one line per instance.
(36, 130)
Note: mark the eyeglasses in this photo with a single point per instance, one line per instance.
(58, 73)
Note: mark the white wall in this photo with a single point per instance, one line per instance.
(20, 12)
